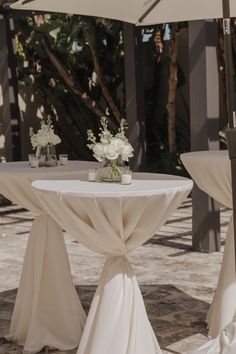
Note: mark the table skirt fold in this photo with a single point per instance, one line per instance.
(47, 308)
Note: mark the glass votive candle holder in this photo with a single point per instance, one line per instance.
(126, 176)
(63, 159)
(92, 174)
(33, 160)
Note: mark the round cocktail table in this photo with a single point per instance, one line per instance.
(114, 219)
(46, 294)
(211, 172)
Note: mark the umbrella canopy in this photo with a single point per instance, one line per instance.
(132, 11)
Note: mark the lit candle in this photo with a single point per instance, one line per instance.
(92, 175)
(34, 163)
(126, 178)
(63, 159)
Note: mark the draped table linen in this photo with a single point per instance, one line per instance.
(212, 173)
(47, 309)
(114, 219)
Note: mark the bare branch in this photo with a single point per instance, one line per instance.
(172, 85)
(70, 81)
(90, 35)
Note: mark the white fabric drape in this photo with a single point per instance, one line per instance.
(114, 220)
(223, 307)
(224, 343)
(211, 172)
(47, 309)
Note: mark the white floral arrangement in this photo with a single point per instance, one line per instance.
(110, 147)
(45, 136)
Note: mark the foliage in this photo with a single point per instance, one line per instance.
(157, 55)
(67, 39)
(75, 65)
(65, 58)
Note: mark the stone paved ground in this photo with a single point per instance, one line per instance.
(177, 284)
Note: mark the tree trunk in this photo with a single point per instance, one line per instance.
(74, 86)
(172, 85)
(90, 34)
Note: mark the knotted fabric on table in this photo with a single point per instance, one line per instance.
(47, 309)
(114, 224)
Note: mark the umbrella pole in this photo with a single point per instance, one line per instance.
(229, 73)
(231, 131)
(231, 141)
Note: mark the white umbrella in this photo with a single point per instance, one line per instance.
(162, 11)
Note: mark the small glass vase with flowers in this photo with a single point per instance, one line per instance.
(44, 142)
(113, 150)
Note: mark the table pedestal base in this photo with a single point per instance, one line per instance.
(47, 309)
(117, 322)
(223, 307)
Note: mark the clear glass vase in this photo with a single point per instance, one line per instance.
(47, 156)
(111, 170)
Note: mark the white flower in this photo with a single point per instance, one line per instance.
(44, 129)
(45, 135)
(34, 141)
(99, 151)
(110, 146)
(118, 144)
(104, 140)
(127, 152)
(122, 137)
(42, 140)
(54, 139)
(112, 153)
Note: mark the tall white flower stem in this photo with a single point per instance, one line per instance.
(115, 171)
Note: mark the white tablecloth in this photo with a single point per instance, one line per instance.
(224, 343)
(47, 309)
(114, 219)
(211, 172)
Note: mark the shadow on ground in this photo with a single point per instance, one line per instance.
(174, 315)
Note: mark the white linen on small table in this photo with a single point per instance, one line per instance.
(224, 343)
(47, 309)
(114, 219)
(211, 172)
